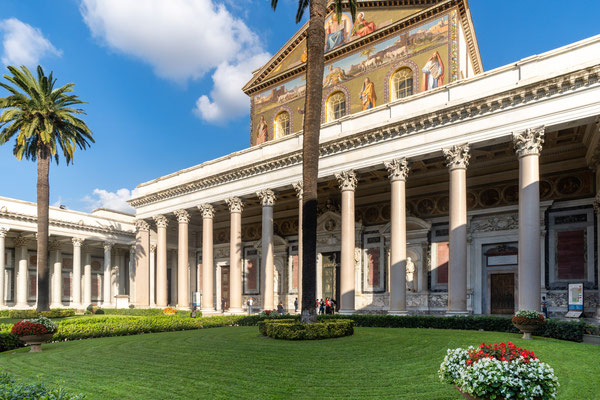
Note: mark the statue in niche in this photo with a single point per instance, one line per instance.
(411, 275)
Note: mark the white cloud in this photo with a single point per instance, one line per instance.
(183, 40)
(101, 198)
(228, 100)
(22, 44)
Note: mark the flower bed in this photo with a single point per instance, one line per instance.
(497, 371)
(170, 311)
(10, 388)
(294, 330)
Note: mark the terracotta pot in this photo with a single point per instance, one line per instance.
(527, 330)
(36, 341)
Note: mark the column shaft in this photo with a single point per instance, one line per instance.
(22, 274)
(87, 279)
(107, 281)
(141, 264)
(2, 265)
(267, 198)
(161, 263)
(183, 287)
(76, 279)
(457, 237)
(208, 304)
(299, 193)
(347, 181)
(152, 275)
(235, 255)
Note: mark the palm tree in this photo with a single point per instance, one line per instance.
(43, 119)
(367, 52)
(315, 45)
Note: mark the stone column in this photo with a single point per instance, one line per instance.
(235, 254)
(457, 160)
(141, 270)
(183, 287)
(107, 281)
(131, 274)
(122, 282)
(597, 210)
(3, 232)
(22, 272)
(347, 181)
(173, 281)
(267, 198)
(398, 170)
(161, 261)
(87, 278)
(299, 193)
(528, 145)
(152, 295)
(56, 277)
(208, 301)
(76, 285)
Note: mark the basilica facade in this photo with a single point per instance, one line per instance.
(443, 189)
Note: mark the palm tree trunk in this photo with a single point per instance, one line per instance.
(43, 200)
(315, 43)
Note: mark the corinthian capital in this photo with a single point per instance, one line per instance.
(207, 210)
(21, 240)
(457, 156)
(183, 217)
(529, 142)
(299, 187)
(597, 203)
(152, 248)
(142, 225)
(235, 204)
(347, 180)
(3, 232)
(267, 197)
(397, 169)
(161, 221)
(77, 242)
(108, 246)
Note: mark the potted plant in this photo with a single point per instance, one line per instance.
(498, 371)
(169, 311)
(528, 321)
(34, 332)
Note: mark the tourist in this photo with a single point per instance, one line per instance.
(250, 303)
(327, 306)
(318, 305)
(223, 305)
(280, 308)
(333, 305)
(296, 305)
(322, 307)
(194, 312)
(544, 306)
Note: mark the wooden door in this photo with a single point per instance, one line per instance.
(225, 285)
(502, 293)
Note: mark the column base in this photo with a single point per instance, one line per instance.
(56, 305)
(346, 312)
(210, 311)
(236, 311)
(398, 313)
(108, 305)
(22, 306)
(457, 313)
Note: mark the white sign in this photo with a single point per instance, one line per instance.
(576, 296)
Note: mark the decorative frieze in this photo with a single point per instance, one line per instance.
(457, 156)
(529, 142)
(183, 217)
(347, 180)
(267, 197)
(235, 204)
(207, 210)
(397, 169)
(141, 225)
(495, 223)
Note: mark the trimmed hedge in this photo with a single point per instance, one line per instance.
(55, 313)
(563, 330)
(13, 389)
(145, 312)
(293, 330)
(8, 341)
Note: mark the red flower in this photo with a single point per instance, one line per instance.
(26, 328)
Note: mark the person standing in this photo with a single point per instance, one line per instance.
(296, 305)
(322, 307)
(280, 308)
(250, 303)
(545, 306)
(223, 305)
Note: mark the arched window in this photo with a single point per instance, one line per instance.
(282, 124)
(401, 84)
(336, 106)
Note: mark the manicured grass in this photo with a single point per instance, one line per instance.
(235, 362)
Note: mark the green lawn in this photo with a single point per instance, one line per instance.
(235, 362)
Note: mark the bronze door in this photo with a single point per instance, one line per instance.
(225, 285)
(502, 293)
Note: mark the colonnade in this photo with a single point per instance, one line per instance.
(527, 145)
(81, 296)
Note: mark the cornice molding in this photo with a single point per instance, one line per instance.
(58, 223)
(470, 110)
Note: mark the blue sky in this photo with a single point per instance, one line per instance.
(162, 78)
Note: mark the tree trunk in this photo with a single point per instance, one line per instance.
(315, 43)
(43, 200)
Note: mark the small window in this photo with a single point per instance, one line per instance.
(401, 83)
(282, 124)
(336, 106)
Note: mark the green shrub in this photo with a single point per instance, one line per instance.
(53, 313)
(294, 330)
(22, 314)
(8, 341)
(10, 389)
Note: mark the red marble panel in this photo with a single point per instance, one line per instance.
(295, 272)
(252, 274)
(570, 254)
(443, 255)
(374, 267)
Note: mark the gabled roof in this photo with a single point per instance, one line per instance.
(269, 73)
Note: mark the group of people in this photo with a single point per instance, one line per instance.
(326, 306)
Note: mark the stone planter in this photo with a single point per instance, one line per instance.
(527, 330)
(36, 341)
(469, 397)
(591, 339)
